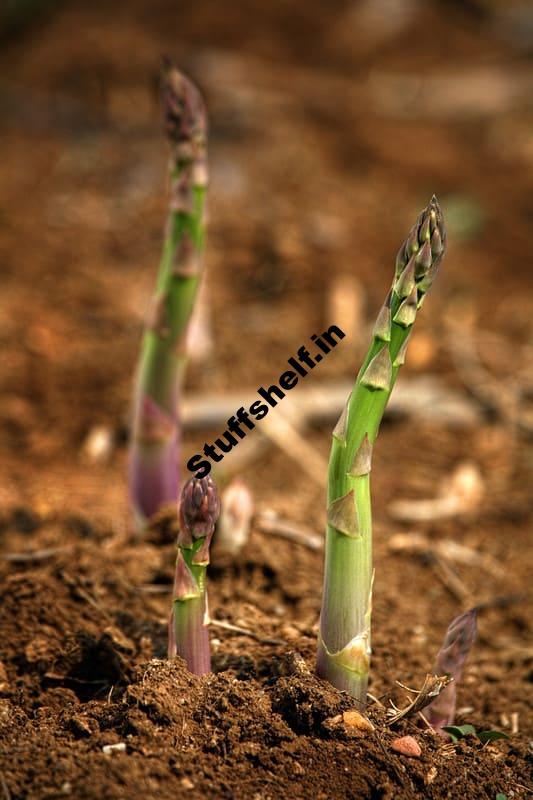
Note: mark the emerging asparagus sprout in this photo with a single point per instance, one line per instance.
(188, 636)
(153, 468)
(450, 661)
(235, 521)
(344, 636)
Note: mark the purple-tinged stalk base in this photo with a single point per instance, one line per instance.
(153, 468)
(190, 634)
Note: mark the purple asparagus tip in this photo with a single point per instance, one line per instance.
(198, 510)
(183, 106)
(421, 253)
(450, 660)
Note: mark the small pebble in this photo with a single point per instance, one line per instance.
(109, 749)
(187, 783)
(353, 719)
(407, 746)
(98, 446)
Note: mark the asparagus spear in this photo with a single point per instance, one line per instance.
(187, 635)
(153, 468)
(344, 637)
(450, 661)
(235, 521)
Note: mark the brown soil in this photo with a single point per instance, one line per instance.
(306, 185)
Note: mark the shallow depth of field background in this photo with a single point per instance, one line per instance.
(331, 126)
(332, 123)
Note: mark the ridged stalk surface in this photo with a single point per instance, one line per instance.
(344, 636)
(154, 451)
(188, 632)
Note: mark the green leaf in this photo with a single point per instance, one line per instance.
(459, 731)
(501, 796)
(491, 736)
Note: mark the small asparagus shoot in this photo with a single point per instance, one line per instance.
(344, 636)
(235, 521)
(450, 661)
(153, 466)
(188, 635)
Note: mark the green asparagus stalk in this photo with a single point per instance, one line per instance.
(188, 635)
(154, 453)
(344, 637)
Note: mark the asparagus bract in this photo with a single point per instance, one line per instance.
(153, 468)
(344, 636)
(188, 635)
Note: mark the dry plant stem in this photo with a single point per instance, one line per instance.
(433, 686)
(187, 631)
(228, 626)
(344, 636)
(153, 466)
(269, 522)
(425, 397)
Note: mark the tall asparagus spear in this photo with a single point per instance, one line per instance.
(153, 468)
(344, 637)
(187, 635)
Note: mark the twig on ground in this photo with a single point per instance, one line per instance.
(525, 788)
(375, 700)
(461, 494)
(36, 555)
(449, 550)
(284, 433)
(268, 521)
(228, 626)
(426, 398)
(250, 450)
(155, 588)
(450, 579)
(431, 688)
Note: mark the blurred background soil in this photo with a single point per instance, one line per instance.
(332, 123)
